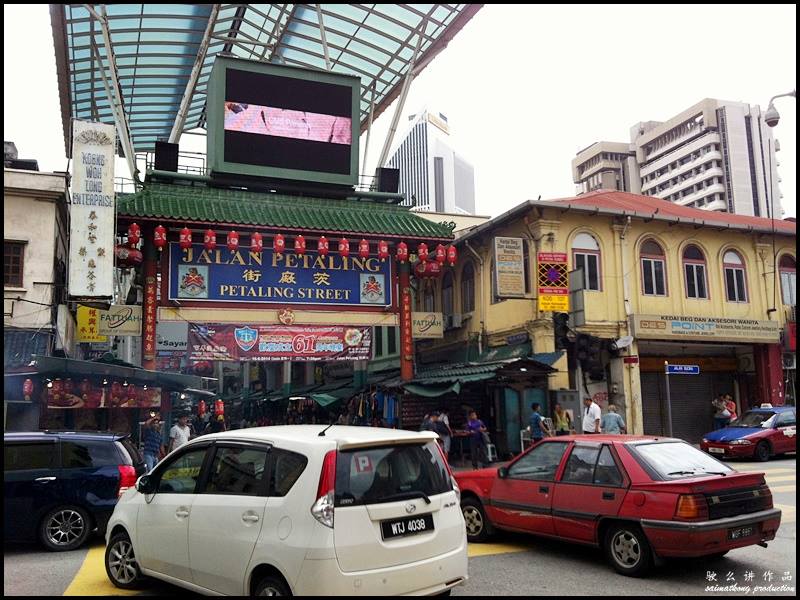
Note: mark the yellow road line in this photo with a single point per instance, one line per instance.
(782, 488)
(489, 549)
(91, 579)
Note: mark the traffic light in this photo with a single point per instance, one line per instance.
(561, 330)
(589, 352)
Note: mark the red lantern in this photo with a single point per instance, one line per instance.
(85, 388)
(27, 389)
(219, 407)
(322, 246)
(300, 245)
(402, 252)
(383, 250)
(127, 256)
(233, 241)
(68, 387)
(58, 389)
(131, 395)
(428, 269)
(441, 254)
(201, 408)
(134, 234)
(116, 392)
(256, 242)
(452, 255)
(186, 238)
(210, 240)
(279, 244)
(363, 249)
(160, 237)
(344, 247)
(422, 252)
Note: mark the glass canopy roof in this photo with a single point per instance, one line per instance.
(155, 47)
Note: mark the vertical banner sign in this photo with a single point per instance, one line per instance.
(509, 267)
(150, 318)
(406, 338)
(553, 282)
(91, 231)
(89, 325)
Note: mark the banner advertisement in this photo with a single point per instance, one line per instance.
(278, 342)
(121, 320)
(718, 329)
(171, 336)
(68, 394)
(509, 267)
(267, 277)
(427, 325)
(553, 281)
(91, 231)
(89, 325)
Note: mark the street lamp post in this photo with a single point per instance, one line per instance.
(771, 117)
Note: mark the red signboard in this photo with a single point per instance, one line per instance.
(149, 328)
(630, 360)
(278, 342)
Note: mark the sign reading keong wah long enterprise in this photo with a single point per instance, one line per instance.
(220, 275)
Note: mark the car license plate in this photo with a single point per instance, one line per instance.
(406, 526)
(717, 450)
(739, 533)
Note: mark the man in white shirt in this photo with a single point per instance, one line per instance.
(180, 433)
(591, 416)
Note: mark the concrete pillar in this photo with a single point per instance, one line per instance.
(287, 376)
(769, 373)
(631, 388)
(360, 373)
(308, 378)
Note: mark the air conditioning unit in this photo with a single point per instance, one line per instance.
(453, 321)
(790, 361)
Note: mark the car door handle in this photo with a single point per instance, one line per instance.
(608, 495)
(544, 489)
(181, 513)
(250, 518)
(44, 479)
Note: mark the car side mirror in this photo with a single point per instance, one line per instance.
(145, 485)
(502, 472)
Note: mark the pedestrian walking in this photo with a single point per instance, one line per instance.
(477, 444)
(180, 433)
(563, 422)
(538, 427)
(722, 415)
(731, 406)
(612, 421)
(153, 444)
(591, 416)
(447, 437)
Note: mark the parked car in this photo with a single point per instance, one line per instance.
(759, 433)
(291, 510)
(640, 498)
(61, 486)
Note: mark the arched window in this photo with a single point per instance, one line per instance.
(694, 270)
(788, 270)
(735, 280)
(447, 294)
(654, 269)
(468, 288)
(428, 299)
(586, 256)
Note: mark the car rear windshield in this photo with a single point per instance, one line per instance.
(676, 460)
(389, 474)
(753, 419)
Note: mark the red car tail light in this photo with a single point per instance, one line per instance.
(323, 507)
(127, 478)
(691, 507)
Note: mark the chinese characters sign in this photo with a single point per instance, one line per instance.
(553, 281)
(278, 342)
(91, 251)
(89, 325)
(267, 277)
(149, 318)
(509, 266)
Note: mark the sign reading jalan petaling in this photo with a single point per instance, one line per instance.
(553, 281)
(723, 329)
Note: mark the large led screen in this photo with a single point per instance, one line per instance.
(283, 122)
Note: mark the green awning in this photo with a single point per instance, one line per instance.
(505, 353)
(329, 397)
(432, 391)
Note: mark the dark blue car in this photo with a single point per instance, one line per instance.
(61, 486)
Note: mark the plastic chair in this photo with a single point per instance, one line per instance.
(491, 453)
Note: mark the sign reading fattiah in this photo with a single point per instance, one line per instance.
(91, 230)
(278, 342)
(509, 266)
(427, 325)
(267, 277)
(121, 320)
(720, 329)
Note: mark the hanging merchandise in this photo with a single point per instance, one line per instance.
(160, 237)
(127, 256)
(233, 241)
(186, 238)
(134, 234)
(85, 388)
(300, 245)
(422, 252)
(201, 408)
(27, 389)
(452, 255)
(363, 249)
(58, 388)
(322, 246)
(441, 254)
(210, 240)
(279, 244)
(219, 407)
(344, 247)
(256, 242)
(116, 393)
(402, 252)
(132, 395)
(383, 250)
(68, 387)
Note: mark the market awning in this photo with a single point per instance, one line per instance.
(432, 391)
(326, 397)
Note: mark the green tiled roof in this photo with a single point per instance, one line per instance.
(197, 203)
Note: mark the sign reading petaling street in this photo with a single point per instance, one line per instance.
(220, 275)
(553, 281)
(278, 342)
(91, 230)
(720, 329)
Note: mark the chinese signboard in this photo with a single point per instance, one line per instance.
(426, 325)
(150, 311)
(89, 325)
(278, 342)
(121, 320)
(553, 282)
(509, 267)
(717, 329)
(91, 248)
(267, 277)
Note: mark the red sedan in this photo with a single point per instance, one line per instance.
(640, 498)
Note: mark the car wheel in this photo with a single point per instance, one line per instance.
(762, 452)
(475, 520)
(65, 528)
(272, 586)
(628, 550)
(121, 566)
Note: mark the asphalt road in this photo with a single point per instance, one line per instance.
(509, 565)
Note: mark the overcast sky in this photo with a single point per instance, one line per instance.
(524, 87)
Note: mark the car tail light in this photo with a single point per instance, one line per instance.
(323, 507)
(691, 507)
(127, 478)
(766, 493)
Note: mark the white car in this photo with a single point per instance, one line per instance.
(279, 511)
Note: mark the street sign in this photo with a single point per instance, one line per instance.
(683, 369)
(631, 360)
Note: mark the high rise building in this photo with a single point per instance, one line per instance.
(715, 155)
(433, 176)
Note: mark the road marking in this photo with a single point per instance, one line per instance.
(771, 480)
(782, 488)
(91, 579)
(489, 549)
(765, 470)
(789, 513)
